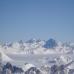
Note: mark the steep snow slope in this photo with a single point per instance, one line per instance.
(4, 57)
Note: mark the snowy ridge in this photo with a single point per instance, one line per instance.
(38, 53)
(27, 66)
(38, 46)
(4, 57)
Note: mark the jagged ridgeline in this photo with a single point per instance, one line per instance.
(37, 56)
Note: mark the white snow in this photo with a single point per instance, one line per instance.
(27, 66)
(4, 57)
(36, 55)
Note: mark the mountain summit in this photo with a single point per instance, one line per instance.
(51, 43)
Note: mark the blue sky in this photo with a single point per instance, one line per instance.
(44, 19)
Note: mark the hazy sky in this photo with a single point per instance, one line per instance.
(44, 19)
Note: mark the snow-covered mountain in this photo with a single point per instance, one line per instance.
(39, 53)
(34, 46)
(51, 43)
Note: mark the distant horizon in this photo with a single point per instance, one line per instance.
(40, 19)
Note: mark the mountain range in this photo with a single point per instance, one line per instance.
(38, 52)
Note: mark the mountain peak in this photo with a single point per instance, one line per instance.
(51, 43)
(31, 40)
